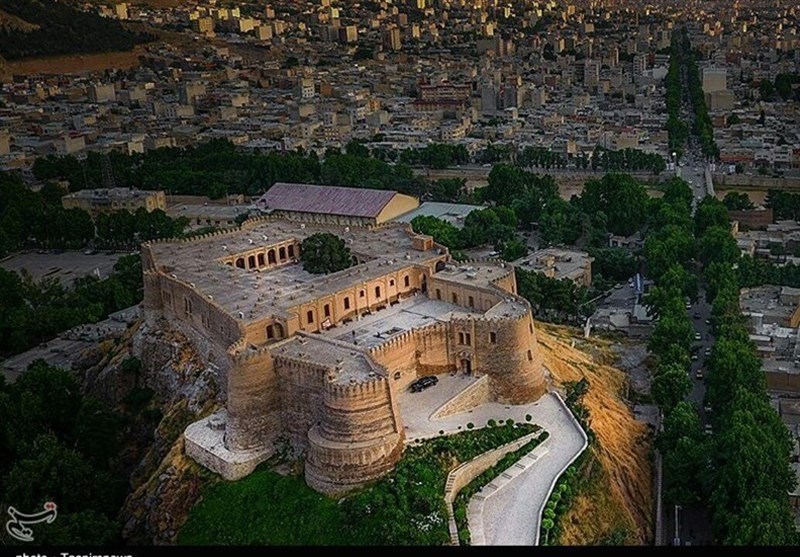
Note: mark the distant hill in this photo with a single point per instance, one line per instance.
(34, 28)
(13, 23)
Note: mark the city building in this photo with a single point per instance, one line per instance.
(335, 205)
(559, 263)
(114, 199)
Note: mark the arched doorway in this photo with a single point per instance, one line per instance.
(271, 257)
(424, 284)
(240, 262)
(439, 266)
(466, 366)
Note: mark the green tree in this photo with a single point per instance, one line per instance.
(323, 253)
(513, 249)
(556, 225)
(440, 230)
(672, 328)
(710, 212)
(505, 184)
(621, 198)
(737, 201)
(670, 385)
(717, 244)
(763, 522)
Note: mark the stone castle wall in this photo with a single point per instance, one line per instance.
(349, 433)
(359, 437)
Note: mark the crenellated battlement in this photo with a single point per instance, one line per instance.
(375, 386)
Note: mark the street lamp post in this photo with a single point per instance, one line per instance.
(677, 539)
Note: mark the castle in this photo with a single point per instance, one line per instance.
(319, 360)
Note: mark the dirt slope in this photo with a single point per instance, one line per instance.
(620, 495)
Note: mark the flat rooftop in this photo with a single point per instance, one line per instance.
(454, 213)
(110, 193)
(384, 325)
(563, 261)
(766, 300)
(273, 291)
(346, 366)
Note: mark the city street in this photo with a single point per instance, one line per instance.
(695, 528)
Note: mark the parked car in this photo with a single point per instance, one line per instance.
(423, 383)
(697, 336)
(697, 315)
(698, 374)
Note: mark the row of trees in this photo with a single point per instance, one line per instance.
(742, 469)
(702, 128)
(438, 155)
(669, 252)
(35, 312)
(748, 474)
(218, 167)
(677, 130)
(627, 160)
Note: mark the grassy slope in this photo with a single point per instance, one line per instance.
(264, 508)
(618, 493)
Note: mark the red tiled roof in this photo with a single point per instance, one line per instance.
(330, 200)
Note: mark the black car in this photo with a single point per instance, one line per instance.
(423, 383)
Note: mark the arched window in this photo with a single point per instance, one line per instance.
(260, 259)
(377, 291)
(461, 338)
(530, 356)
(251, 262)
(271, 257)
(282, 254)
(240, 262)
(310, 317)
(406, 281)
(347, 302)
(454, 297)
(291, 251)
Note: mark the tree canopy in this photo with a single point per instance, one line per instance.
(323, 253)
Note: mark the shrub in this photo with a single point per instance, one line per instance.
(528, 417)
(470, 425)
(491, 423)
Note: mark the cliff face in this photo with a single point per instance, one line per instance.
(165, 484)
(169, 389)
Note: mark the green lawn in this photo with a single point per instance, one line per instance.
(264, 508)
